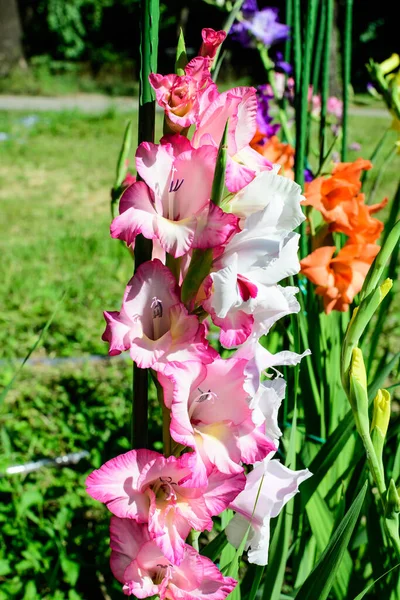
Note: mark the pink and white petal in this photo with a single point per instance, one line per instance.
(222, 490)
(194, 170)
(225, 294)
(188, 338)
(177, 379)
(175, 237)
(281, 484)
(197, 577)
(198, 349)
(181, 428)
(158, 252)
(126, 539)
(117, 332)
(212, 122)
(225, 378)
(179, 143)
(238, 175)
(152, 279)
(217, 444)
(139, 582)
(146, 352)
(271, 191)
(244, 121)
(136, 214)
(154, 163)
(272, 303)
(236, 327)
(116, 484)
(253, 160)
(259, 360)
(169, 533)
(266, 404)
(255, 446)
(284, 265)
(214, 227)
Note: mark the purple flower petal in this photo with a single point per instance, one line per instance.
(262, 26)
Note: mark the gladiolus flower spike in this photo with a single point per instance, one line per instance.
(231, 251)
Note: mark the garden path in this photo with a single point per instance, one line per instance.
(98, 103)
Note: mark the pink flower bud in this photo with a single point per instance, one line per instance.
(211, 42)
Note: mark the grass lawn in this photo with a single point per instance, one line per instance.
(55, 176)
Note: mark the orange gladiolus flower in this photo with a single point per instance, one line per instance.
(355, 221)
(328, 194)
(276, 152)
(339, 279)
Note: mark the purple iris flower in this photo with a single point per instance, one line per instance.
(264, 119)
(261, 26)
(281, 64)
(250, 6)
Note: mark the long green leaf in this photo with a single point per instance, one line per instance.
(320, 582)
(371, 585)
(215, 547)
(327, 455)
(181, 57)
(33, 348)
(322, 524)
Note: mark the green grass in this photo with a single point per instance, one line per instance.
(47, 77)
(55, 178)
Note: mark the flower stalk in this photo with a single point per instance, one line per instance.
(150, 12)
(347, 46)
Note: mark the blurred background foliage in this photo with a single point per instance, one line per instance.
(93, 44)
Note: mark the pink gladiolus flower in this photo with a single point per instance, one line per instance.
(210, 413)
(183, 98)
(240, 106)
(334, 105)
(174, 207)
(138, 563)
(153, 324)
(149, 488)
(274, 485)
(211, 41)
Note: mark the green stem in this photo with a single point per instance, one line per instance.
(297, 45)
(375, 154)
(390, 156)
(319, 48)
(288, 44)
(302, 107)
(150, 11)
(325, 78)
(347, 47)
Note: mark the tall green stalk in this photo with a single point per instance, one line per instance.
(325, 78)
(288, 44)
(347, 47)
(319, 48)
(302, 99)
(297, 45)
(150, 12)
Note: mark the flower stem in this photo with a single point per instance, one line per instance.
(147, 111)
(348, 23)
(325, 79)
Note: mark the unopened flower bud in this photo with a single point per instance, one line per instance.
(359, 393)
(392, 500)
(381, 414)
(390, 64)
